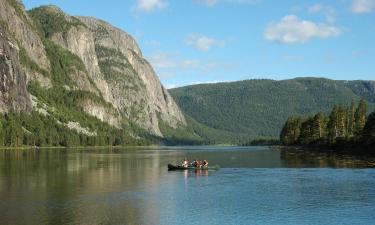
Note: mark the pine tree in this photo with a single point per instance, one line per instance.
(13, 132)
(360, 117)
(291, 131)
(319, 127)
(368, 135)
(351, 119)
(307, 132)
(332, 126)
(342, 122)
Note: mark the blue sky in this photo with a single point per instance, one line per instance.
(197, 41)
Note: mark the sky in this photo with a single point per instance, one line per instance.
(208, 41)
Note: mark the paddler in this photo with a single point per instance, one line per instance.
(185, 163)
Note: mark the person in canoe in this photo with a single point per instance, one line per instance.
(205, 163)
(185, 163)
(197, 163)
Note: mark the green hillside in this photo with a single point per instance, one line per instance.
(255, 109)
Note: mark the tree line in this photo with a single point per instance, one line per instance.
(37, 130)
(345, 127)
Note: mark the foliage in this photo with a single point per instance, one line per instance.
(368, 133)
(179, 136)
(34, 129)
(360, 117)
(259, 108)
(213, 136)
(291, 131)
(52, 21)
(19, 9)
(260, 142)
(333, 131)
(63, 63)
(113, 64)
(27, 62)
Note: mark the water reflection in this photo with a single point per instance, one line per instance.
(110, 186)
(300, 158)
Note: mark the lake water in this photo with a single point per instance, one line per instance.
(255, 185)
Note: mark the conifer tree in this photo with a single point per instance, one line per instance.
(368, 134)
(360, 117)
(351, 119)
(332, 126)
(291, 131)
(307, 132)
(319, 126)
(342, 122)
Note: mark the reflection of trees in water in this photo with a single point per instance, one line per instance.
(310, 158)
(76, 187)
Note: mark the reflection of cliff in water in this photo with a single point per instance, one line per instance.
(299, 158)
(76, 188)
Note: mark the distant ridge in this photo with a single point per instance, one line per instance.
(257, 108)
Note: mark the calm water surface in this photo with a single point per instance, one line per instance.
(255, 185)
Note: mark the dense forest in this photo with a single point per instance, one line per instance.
(345, 128)
(239, 112)
(35, 129)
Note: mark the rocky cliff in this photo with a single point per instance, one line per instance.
(84, 57)
(13, 94)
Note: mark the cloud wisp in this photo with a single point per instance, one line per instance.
(168, 60)
(328, 11)
(203, 43)
(150, 5)
(291, 30)
(362, 6)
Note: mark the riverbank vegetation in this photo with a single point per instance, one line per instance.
(346, 128)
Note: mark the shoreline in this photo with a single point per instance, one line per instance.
(359, 151)
(112, 147)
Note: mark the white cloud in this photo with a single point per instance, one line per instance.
(211, 3)
(291, 30)
(150, 5)
(203, 43)
(169, 64)
(362, 6)
(166, 60)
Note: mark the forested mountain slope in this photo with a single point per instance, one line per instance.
(258, 108)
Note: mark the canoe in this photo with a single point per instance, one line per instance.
(178, 167)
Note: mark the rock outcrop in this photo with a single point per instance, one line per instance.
(113, 68)
(20, 25)
(124, 78)
(13, 94)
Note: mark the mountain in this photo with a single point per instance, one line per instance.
(80, 72)
(253, 109)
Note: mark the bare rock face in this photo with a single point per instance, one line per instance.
(114, 69)
(124, 78)
(19, 24)
(13, 94)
